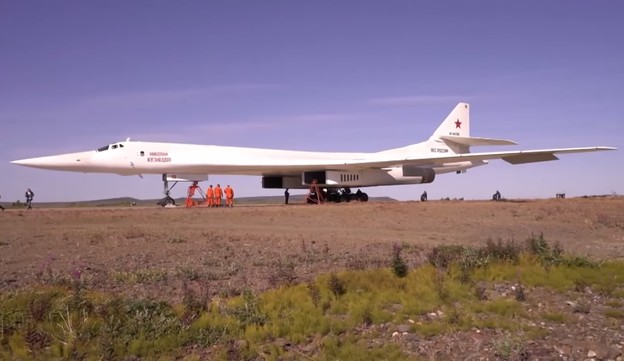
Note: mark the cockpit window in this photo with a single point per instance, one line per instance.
(110, 146)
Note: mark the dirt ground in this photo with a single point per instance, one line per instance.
(158, 253)
(148, 251)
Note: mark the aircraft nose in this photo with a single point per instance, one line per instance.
(70, 161)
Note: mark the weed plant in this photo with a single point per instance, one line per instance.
(399, 267)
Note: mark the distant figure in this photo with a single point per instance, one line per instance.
(218, 195)
(423, 197)
(286, 195)
(29, 197)
(496, 196)
(210, 196)
(1, 205)
(229, 196)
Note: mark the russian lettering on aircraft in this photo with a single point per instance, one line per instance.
(439, 150)
(158, 157)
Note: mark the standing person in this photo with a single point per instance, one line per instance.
(210, 196)
(286, 195)
(1, 205)
(29, 197)
(218, 195)
(229, 196)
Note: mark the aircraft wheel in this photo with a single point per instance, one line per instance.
(168, 201)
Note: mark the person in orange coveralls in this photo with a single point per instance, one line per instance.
(218, 194)
(229, 196)
(190, 194)
(210, 196)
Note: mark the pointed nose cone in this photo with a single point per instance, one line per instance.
(66, 162)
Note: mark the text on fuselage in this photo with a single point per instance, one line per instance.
(439, 150)
(158, 157)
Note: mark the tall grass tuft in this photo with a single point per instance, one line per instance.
(336, 285)
(399, 267)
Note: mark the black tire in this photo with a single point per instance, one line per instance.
(333, 197)
(167, 201)
(364, 197)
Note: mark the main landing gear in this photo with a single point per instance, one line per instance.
(345, 195)
(334, 195)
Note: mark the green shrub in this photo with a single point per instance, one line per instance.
(399, 267)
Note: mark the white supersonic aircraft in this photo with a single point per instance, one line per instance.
(447, 150)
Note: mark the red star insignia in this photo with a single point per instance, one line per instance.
(458, 124)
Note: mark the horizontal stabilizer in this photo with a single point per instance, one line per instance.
(472, 141)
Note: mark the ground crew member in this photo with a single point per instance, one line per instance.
(229, 196)
(210, 196)
(218, 195)
(190, 194)
(286, 195)
(29, 197)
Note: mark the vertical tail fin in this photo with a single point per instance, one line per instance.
(454, 132)
(457, 123)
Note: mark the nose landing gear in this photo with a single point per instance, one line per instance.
(167, 201)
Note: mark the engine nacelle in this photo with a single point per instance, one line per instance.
(370, 177)
(293, 182)
(352, 179)
(427, 174)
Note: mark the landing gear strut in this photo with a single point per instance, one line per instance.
(167, 201)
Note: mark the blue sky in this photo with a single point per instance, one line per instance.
(312, 75)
